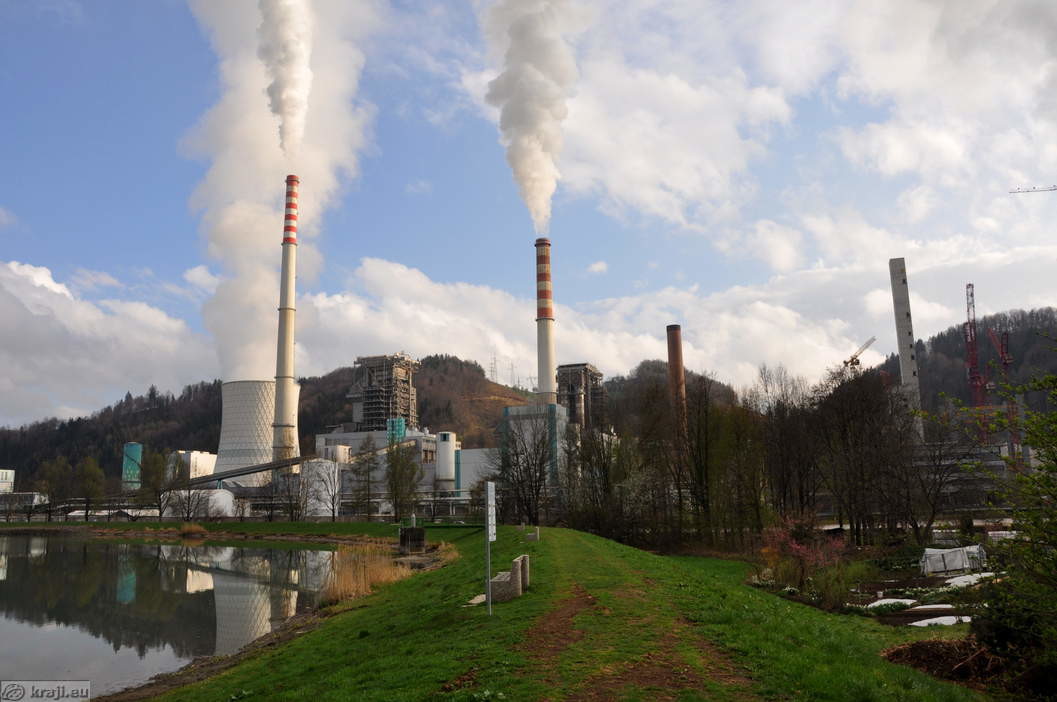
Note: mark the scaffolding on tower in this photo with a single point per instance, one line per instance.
(977, 382)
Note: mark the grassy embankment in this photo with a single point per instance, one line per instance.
(601, 621)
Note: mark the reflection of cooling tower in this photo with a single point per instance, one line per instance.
(243, 607)
(246, 428)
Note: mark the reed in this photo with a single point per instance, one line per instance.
(358, 568)
(188, 529)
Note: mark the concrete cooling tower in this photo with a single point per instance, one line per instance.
(246, 428)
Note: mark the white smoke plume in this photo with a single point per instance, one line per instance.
(241, 196)
(285, 36)
(538, 71)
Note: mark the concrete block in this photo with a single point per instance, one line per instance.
(523, 562)
(506, 586)
(533, 535)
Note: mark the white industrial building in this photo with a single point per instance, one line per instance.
(449, 472)
(247, 415)
(7, 480)
(191, 464)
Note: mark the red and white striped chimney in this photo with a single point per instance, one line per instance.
(546, 366)
(284, 428)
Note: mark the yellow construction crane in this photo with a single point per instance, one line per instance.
(854, 360)
(1033, 189)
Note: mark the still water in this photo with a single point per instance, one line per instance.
(117, 614)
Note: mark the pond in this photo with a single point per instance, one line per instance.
(117, 613)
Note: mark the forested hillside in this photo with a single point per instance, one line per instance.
(453, 394)
(941, 360)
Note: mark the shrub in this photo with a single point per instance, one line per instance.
(794, 549)
(189, 530)
(1018, 621)
(832, 584)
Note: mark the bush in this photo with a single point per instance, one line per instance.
(795, 549)
(189, 530)
(831, 585)
(1019, 621)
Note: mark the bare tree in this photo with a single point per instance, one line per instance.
(365, 465)
(933, 467)
(523, 462)
(293, 495)
(327, 490)
(190, 505)
(402, 476)
(156, 482)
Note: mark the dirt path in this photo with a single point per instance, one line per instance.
(619, 635)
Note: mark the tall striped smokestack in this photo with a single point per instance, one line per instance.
(677, 376)
(546, 365)
(284, 428)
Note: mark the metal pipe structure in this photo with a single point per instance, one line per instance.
(284, 428)
(677, 376)
(905, 342)
(547, 392)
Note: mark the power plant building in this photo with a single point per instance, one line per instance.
(191, 464)
(581, 392)
(383, 393)
(905, 341)
(131, 466)
(246, 430)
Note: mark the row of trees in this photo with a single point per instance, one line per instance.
(848, 447)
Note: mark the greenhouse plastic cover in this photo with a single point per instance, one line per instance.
(946, 560)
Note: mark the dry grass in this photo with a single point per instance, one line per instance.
(191, 530)
(357, 569)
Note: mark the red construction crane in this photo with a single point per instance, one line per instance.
(972, 355)
(1012, 411)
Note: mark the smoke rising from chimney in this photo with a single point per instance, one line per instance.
(240, 199)
(285, 36)
(538, 71)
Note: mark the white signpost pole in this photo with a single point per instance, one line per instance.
(489, 526)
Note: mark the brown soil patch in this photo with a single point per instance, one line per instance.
(965, 661)
(553, 632)
(665, 672)
(467, 679)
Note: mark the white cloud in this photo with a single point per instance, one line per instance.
(85, 279)
(6, 218)
(241, 195)
(598, 267)
(202, 278)
(781, 247)
(419, 187)
(70, 353)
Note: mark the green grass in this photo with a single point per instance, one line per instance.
(406, 641)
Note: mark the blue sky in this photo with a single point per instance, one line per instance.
(743, 168)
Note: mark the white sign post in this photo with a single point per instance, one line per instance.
(489, 527)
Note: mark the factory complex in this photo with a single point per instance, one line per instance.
(258, 468)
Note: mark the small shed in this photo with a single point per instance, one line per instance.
(948, 560)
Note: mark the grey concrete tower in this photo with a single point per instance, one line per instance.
(905, 341)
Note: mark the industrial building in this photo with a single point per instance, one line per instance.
(384, 390)
(7, 481)
(448, 472)
(187, 465)
(131, 466)
(910, 384)
(581, 392)
(248, 410)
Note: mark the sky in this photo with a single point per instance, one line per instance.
(745, 169)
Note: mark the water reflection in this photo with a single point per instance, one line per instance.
(81, 609)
